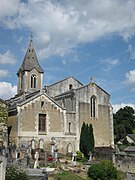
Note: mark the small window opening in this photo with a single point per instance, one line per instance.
(33, 81)
(69, 126)
(42, 123)
(70, 86)
(42, 104)
(93, 106)
(21, 81)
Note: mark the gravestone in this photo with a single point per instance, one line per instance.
(36, 164)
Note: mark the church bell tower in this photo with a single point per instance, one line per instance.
(30, 74)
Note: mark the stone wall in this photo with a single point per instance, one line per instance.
(68, 101)
(83, 94)
(27, 82)
(63, 86)
(102, 125)
(125, 163)
(71, 123)
(3, 163)
(13, 124)
(56, 124)
(29, 115)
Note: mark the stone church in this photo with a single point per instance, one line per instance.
(39, 114)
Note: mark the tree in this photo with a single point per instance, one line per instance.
(3, 112)
(124, 122)
(86, 140)
(82, 138)
(104, 170)
(91, 137)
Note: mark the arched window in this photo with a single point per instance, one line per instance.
(41, 144)
(70, 86)
(93, 104)
(42, 103)
(69, 148)
(21, 81)
(33, 81)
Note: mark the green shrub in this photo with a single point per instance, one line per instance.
(14, 173)
(79, 155)
(83, 160)
(103, 170)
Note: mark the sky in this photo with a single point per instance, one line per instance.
(77, 38)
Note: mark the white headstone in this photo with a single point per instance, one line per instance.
(33, 144)
(36, 164)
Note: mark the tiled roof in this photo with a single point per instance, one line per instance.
(64, 80)
(3, 101)
(24, 98)
(67, 93)
(20, 98)
(30, 60)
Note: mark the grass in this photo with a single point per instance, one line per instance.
(66, 176)
(122, 147)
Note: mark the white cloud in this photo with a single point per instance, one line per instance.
(8, 8)
(131, 50)
(7, 90)
(59, 26)
(109, 63)
(130, 77)
(7, 58)
(3, 73)
(116, 107)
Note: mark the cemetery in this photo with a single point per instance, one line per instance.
(40, 164)
(46, 165)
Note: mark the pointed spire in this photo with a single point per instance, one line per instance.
(30, 60)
